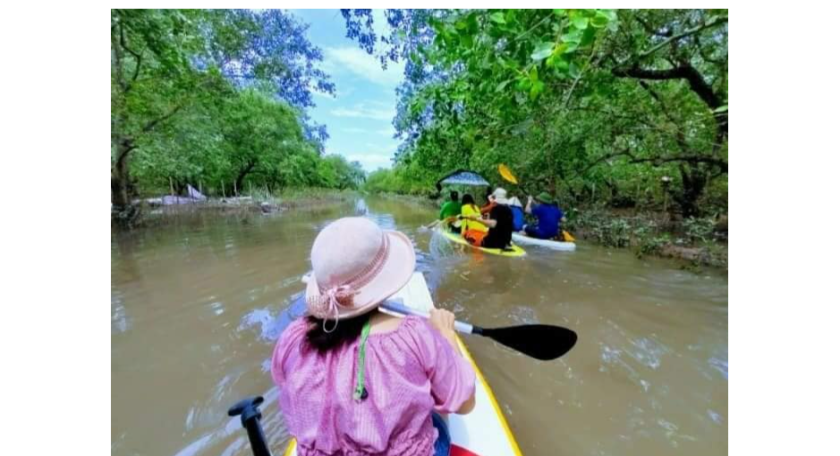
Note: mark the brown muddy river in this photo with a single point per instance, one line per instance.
(196, 308)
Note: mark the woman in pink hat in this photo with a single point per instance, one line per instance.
(354, 381)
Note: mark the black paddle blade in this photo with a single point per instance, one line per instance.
(543, 342)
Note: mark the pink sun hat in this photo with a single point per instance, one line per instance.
(355, 266)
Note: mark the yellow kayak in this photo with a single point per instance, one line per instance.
(514, 251)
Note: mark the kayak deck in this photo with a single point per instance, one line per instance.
(548, 243)
(515, 250)
(484, 431)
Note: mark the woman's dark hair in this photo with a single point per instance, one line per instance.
(453, 195)
(467, 199)
(345, 331)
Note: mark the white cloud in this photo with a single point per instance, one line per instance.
(361, 64)
(322, 95)
(379, 111)
(327, 65)
(379, 147)
(371, 161)
(380, 24)
(387, 132)
(338, 93)
(374, 156)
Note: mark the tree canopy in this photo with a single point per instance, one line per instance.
(587, 104)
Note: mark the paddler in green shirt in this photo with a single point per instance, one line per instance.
(451, 209)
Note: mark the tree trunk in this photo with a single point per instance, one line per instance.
(241, 177)
(120, 178)
(694, 181)
(123, 212)
(114, 186)
(180, 186)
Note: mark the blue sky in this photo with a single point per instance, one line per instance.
(359, 117)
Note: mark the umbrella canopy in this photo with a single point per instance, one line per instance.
(462, 177)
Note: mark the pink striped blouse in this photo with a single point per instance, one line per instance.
(409, 372)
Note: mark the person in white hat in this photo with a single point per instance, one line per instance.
(500, 196)
(356, 381)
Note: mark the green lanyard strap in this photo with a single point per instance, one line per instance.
(360, 393)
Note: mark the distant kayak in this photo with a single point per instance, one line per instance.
(514, 251)
(548, 243)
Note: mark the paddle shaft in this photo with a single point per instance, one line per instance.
(460, 326)
(438, 222)
(543, 342)
(433, 224)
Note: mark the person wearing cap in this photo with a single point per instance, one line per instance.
(356, 381)
(499, 221)
(548, 217)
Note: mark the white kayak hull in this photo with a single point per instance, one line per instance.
(484, 431)
(547, 243)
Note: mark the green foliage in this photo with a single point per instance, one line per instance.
(615, 233)
(650, 244)
(411, 179)
(181, 114)
(593, 106)
(247, 135)
(214, 142)
(336, 172)
(699, 229)
(649, 234)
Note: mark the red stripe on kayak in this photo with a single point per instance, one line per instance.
(455, 450)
